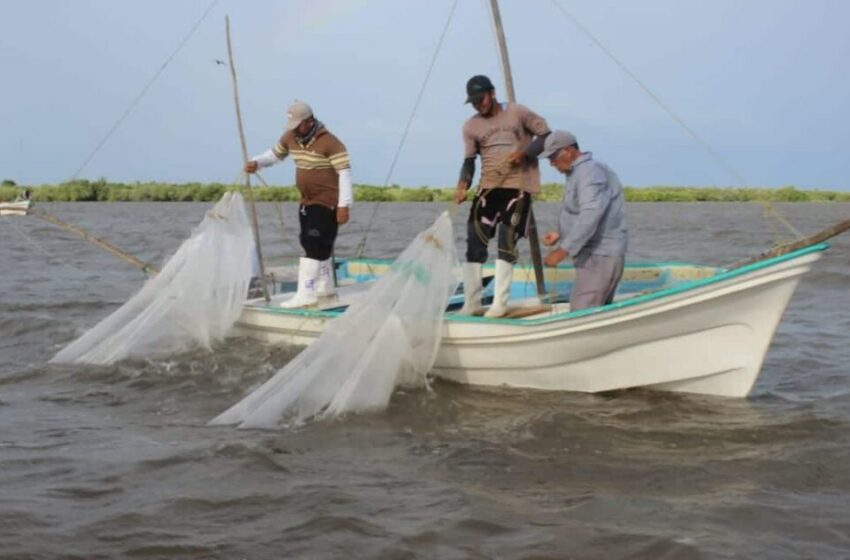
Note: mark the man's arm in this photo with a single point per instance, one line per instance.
(346, 196)
(594, 195)
(467, 172)
(530, 153)
(338, 156)
(537, 127)
(536, 147)
(267, 158)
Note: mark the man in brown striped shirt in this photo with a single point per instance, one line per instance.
(323, 177)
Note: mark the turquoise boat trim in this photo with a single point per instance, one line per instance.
(677, 289)
(720, 276)
(488, 266)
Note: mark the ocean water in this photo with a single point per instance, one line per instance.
(117, 462)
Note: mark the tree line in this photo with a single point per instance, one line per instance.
(105, 191)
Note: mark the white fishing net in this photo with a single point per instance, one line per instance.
(193, 301)
(386, 339)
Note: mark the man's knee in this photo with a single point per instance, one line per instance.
(477, 239)
(316, 248)
(476, 253)
(585, 299)
(507, 245)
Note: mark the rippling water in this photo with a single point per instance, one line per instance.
(108, 462)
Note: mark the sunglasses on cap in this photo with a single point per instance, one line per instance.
(555, 154)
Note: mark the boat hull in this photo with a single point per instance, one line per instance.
(708, 336)
(18, 208)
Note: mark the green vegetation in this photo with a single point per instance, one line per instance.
(104, 191)
(715, 194)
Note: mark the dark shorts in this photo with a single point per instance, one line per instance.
(318, 231)
(500, 210)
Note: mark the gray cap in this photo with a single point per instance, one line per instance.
(296, 114)
(557, 140)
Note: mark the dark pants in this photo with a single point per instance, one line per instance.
(499, 210)
(318, 231)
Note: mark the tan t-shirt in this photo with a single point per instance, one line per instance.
(494, 138)
(317, 164)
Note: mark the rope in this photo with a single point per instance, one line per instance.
(362, 245)
(285, 235)
(50, 256)
(144, 91)
(769, 208)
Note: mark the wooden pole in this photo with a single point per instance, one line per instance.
(143, 266)
(248, 188)
(780, 250)
(533, 241)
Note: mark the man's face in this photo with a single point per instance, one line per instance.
(304, 127)
(564, 158)
(484, 104)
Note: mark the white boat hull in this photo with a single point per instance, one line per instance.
(18, 208)
(708, 338)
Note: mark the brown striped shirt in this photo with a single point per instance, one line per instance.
(317, 164)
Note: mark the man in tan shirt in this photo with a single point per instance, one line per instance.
(508, 137)
(323, 177)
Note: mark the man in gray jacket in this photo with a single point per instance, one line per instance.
(591, 224)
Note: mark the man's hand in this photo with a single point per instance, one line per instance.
(516, 158)
(556, 256)
(460, 193)
(342, 215)
(250, 166)
(551, 238)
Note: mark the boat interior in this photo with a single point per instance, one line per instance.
(354, 277)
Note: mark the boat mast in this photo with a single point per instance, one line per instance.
(248, 188)
(533, 241)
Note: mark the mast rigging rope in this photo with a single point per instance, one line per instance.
(144, 91)
(769, 208)
(362, 245)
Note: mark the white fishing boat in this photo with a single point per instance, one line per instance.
(672, 327)
(16, 208)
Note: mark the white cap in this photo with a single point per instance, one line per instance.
(297, 113)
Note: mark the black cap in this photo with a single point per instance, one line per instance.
(477, 86)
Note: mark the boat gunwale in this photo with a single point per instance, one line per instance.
(679, 288)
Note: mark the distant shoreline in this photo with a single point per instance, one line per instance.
(104, 191)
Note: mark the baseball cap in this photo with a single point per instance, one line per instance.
(296, 113)
(477, 86)
(557, 140)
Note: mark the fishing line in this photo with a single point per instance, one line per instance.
(361, 247)
(144, 91)
(285, 234)
(50, 256)
(655, 98)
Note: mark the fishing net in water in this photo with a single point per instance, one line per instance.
(386, 339)
(192, 302)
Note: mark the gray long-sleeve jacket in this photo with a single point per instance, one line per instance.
(592, 219)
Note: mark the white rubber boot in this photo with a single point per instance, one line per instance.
(502, 289)
(308, 276)
(325, 287)
(471, 288)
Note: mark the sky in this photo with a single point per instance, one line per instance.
(762, 83)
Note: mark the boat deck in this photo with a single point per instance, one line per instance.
(356, 276)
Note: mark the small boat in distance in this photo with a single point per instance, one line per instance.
(16, 208)
(672, 327)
